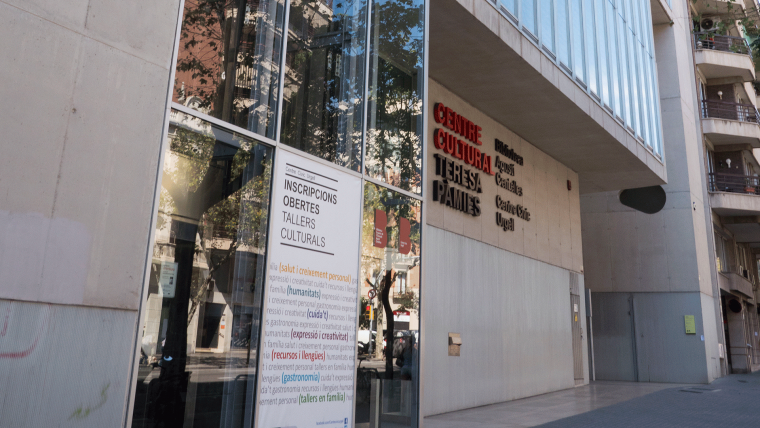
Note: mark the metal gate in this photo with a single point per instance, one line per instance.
(577, 328)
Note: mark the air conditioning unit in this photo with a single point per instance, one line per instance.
(707, 24)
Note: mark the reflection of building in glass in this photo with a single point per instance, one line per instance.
(228, 67)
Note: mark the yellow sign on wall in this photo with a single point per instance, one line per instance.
(691, 328)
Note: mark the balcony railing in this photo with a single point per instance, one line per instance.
(715, 109)
(722, 43)
(747, 184)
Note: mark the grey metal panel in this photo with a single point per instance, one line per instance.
(513, 314)
(661, 350)
(613, 337)
(666, 352)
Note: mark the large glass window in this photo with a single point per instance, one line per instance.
(593, 64)
(389, 326)
(547, 24)
(228, 64)
(612, 42)
(528, 16)
(324, 79)
(601, 43)
(579, 51)
(646, 108)
(394, 117)
(510, 5)
(563, 33)
(198, 343)
(630, 43)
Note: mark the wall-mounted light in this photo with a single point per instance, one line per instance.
(720, 94)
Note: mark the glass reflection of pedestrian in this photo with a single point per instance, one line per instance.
(410, 357)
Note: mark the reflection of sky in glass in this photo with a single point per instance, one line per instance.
(414, 34)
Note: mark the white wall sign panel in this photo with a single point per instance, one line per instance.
(308, 343)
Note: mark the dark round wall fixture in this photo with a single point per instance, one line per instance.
(649, 200)
(735, 306)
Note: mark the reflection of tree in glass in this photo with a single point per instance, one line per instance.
(228, 67)
(192, 184)
(377, 272)
(394, 134)
(216, 196)
(324, 79)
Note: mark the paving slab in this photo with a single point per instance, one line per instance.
(550, 407)
(728, 401)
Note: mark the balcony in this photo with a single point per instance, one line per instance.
(725, 122)
(719, 7)
(731, 281)
(734, 195)
(745, 184)
(724, 57)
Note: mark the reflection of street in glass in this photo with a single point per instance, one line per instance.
(213, 379)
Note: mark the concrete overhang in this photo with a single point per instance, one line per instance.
(746, 229)
(715, 64)
(735, 204)
(718, 7)
(733, 282)
(661, 13)
(724, 131)
(479, 55)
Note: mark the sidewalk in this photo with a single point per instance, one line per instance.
(729, 401)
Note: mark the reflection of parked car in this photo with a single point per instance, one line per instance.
(363, 340)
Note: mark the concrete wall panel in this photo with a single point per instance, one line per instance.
(681, 253)
(70, 14)
(89, 117)
(712, 336)
(514, 317)
(64, 366)
(145, 30)
(113, 201)
(39, 63)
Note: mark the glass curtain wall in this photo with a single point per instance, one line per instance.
(607, 45)
(324, 79)
(388, 362)
(547, 25)
(199, 338)
(228, 63)
(396, 81)
(198, 346)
